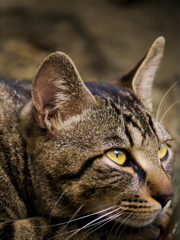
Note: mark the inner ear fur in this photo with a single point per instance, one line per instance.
(140, 78)
(125, 80)
(58, 90)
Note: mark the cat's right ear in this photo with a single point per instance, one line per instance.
(58, 90)
(125, 80)
(140, 78)
(143, 79)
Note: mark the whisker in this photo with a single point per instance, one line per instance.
(115, 224)
(94, 225)
(95, 213)
(169, 109)
(80, 218)
(73, 216)
(135, 217)
(163, 100)
(104, 221)
(61, 234)
(132, 216)
(57, 203)
(122, 224)
(89, 224)
(111, 229)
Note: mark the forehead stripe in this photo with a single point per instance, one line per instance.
(129, 136)
(151, 125)
(128, 119)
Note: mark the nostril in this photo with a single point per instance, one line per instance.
(163, 199)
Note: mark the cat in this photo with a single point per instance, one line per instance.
(84, 160)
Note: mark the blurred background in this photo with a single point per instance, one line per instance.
(103, 37)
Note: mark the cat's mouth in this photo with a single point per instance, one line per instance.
(140, 222)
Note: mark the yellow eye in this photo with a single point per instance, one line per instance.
(118, 156)
(163, 152)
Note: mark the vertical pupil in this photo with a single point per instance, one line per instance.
(160, 146)
(116, 154)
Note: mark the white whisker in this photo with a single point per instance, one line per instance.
(127, 221)
(62, 234)
(73, 216)
(135, 217)
(94, 225)
(169, 109)
(122, 223)
(80, 218)
(112, 229)
(95, 213)
(89, 224)
(104, 221)
(115, 224)
(163, 100)
(56, 204)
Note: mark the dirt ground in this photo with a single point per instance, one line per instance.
(103, 37)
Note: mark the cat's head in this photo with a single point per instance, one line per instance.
(100, 144)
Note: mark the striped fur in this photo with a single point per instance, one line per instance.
(56, 179)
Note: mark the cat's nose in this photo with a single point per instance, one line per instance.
(163, 199)
(161, 188)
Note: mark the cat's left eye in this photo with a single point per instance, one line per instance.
(118, 156)
(163, 152)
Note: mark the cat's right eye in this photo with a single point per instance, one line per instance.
(163, 152)
(118, 156)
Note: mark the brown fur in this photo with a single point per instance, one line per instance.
(55, 145)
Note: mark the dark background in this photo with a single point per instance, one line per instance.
(103, 37)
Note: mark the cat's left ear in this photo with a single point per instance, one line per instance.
(58, 91)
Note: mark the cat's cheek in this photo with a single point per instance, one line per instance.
(169, 168)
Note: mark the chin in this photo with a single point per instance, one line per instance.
(139, 222)
(142, 222)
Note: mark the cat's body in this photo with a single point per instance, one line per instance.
(82, 161)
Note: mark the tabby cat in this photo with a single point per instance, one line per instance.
(83, 161)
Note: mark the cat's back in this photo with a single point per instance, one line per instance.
(12, 148)
(13, 95)
(8, 118)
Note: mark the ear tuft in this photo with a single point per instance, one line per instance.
(58, 90)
